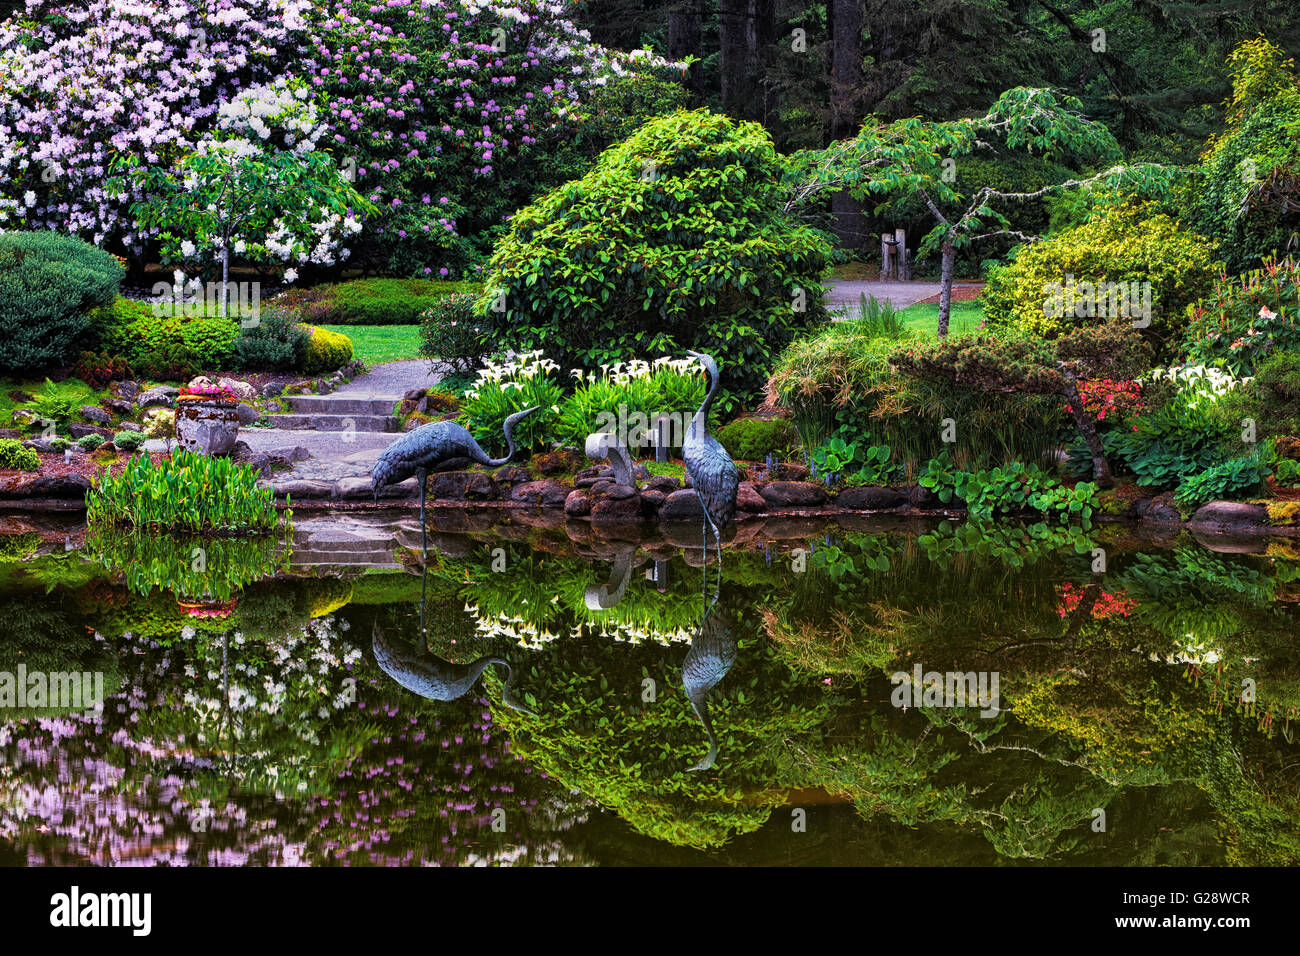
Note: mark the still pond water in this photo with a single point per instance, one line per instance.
(261, 709)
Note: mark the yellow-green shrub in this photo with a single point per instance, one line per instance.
(131, 330)
(326, 350)
(1126, 244)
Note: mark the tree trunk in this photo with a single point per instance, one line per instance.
(845, 16)
(949, 255)
(1088, 429)
(225, 275)
(744, 33)
(684, 38)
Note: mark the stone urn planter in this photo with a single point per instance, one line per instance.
(208, 607)
(207, 424)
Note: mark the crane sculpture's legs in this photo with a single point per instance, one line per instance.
(704, 556)
(423, 474)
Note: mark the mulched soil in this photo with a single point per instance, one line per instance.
(53, 465)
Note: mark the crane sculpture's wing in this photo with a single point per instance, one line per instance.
(712, 653)
(421, 672)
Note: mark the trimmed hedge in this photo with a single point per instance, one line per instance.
(48, 283)
(370, 301)
(154, 345)
(326, 350)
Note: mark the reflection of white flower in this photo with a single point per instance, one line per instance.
(187, 248)
(29, 198)
(290, 275)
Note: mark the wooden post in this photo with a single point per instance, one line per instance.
(900, 254)
(886, 251)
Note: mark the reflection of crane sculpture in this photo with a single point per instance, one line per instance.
(713, 651)
(431, 677)
(713, 474)
(438, 446)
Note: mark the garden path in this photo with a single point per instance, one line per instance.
(847, 293)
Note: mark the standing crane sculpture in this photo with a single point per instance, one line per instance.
(713, 651)
(438, 446)
(713, 474)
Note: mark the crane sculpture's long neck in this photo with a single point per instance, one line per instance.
(702, 416)
(702, 711)
(480, 456)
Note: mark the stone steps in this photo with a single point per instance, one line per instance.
(336, 423)
(341, 403)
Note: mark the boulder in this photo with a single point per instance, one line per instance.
(869, 498)
(33, 485)
(415, 394)
(125, 390)
(260, 464)
(652, 500)
(359, 488)
(243, 391)
(793, 494)
(302, 488)
(1159, 509)
(1230, 514)
(665, 483)
(547, 494)
(512, 475)
(272, 389)
(132, 427)
(464, 486)
(748, 499)
(22, 417)
(600, 486)
(681, 506)
(118, 406)
(81, 431)
(247, 414)
(616, 509)
(577, 504)
(589, 476)
(156, 396)
(93, 413)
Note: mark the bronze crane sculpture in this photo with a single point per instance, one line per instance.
(437, 446)
(713, 474)
(713, 651)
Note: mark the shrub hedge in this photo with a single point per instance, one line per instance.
(370, 301)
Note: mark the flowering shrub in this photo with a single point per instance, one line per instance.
(1198, 386)
(450, 333)
(145, 80)
(625, 397)
(219, 392)
(1246, 317)
(441, 108)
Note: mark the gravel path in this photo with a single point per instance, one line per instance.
(391, 380)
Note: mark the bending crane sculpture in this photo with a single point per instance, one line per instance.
(713, 651)
(431, 677)
(713, 474)
(438, 446)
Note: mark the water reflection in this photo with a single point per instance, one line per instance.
(713, 651)
(269, 736)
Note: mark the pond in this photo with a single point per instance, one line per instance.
(876, 694)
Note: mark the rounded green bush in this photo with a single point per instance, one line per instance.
(14, 455)
(128, 441)
(1125, 245)
(90, 442)
(151, 342)
(48, 284)
(326, 350)
(275, 344)
(753, 439)
(677, 239)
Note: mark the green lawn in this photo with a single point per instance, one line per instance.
(924, 317)
(376, 344)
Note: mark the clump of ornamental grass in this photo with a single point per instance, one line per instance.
(187, 492)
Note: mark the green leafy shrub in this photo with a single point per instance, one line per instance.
(326, 350)
(370, 301)
(1244, 202)
(186, 492)
(48, 284)
(627, 397)
(1245, 318)
(753, 439)
(1008, 489)
(1271, 399)
(676, 239)
(451, 333)
(128, 441)
(1232, 479)
(275, 344)
(160, 346)
(15, 547)
(1126, 244)
(14, 455)
(843, 381)
(508, 387)
(90, 442)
